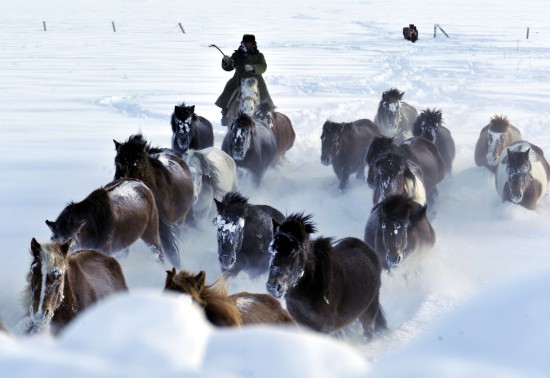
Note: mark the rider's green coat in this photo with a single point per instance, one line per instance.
(237, 63)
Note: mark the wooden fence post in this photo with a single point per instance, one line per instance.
(44, 24)
(181, 27)
(114, 28)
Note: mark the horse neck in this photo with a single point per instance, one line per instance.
(316, 278)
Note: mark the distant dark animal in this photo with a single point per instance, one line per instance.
(394, 116)
(397, 227)
(214, 174)
(61, 284)
(326, 285)
(429, 125)
(280, 125)
(345, 146)
(112, 218)
(245, 100)
(392, 173)
(421, 156)
(493, 139)
(522, 174)
(189, 130)
(252, 146)
(410, 33)
(244, 233)
(168, 177)
(222, 309)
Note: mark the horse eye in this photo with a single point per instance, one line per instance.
(383, 225)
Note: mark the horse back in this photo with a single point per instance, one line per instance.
(203, 134)
(426, 154)
(285, 135)
(356, 262)
(261, 309)
(93, 275)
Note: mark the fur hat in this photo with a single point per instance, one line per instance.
(249, 38)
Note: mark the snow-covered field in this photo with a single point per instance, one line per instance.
(478, 303)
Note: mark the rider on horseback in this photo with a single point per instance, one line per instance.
(247, 61)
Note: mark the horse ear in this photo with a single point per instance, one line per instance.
(117, 145)
(275, 224)
(51, 225)
(35, 248)
(219, 205)
(66, 247)
(200, 279)
(527, 153)
(169, 275)
(191, 108)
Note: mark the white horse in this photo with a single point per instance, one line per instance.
(245, 100)
(214, 174)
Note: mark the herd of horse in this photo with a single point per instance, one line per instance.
(327, 285)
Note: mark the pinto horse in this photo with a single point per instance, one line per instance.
(244, 234)
(112, 218)
(252, 146)
(394, 116)
(280, 125)
(168, 177)
(222, 309)
(398, 226)
(345, 146)
(493, 139)
(214, 174)
(429, 125)
(326, 285)
(190, 131)
(62, 284)
(522, 174)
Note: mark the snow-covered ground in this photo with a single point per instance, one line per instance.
(477, 304)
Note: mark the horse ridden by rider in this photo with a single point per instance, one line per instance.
(248, 62)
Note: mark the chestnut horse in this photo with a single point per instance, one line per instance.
(280, 125)
(222, 309)
(493, 139)
(62, 284)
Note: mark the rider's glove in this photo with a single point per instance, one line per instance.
(248, 67)
(226, 59)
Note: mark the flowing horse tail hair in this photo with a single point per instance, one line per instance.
(169, 242)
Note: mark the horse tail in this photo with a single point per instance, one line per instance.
(169, 242)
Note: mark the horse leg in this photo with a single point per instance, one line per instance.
(361, 172)
(344, 179)
(373, 319)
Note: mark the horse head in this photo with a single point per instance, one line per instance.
(182, 122)
(67, 226)
(389, 110)
(497, 138)
(390, 173)
(232, 212)
(249, 96)
(330, 141)
(518, 168)
(289, 250)
(242, 131)
(186, 283)
(46, 280)
(380, 145)
(130, 157)
(427, 125)
(397, 215)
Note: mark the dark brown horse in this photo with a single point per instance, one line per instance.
(326, 285)
(281, 126)
(252, 146)
(222, 309)
(410, 33)
(345, 146)
(168, 177)
(394, 116)
(244, 234)
(62, 284)
(429, 125)
(397, 227)
(189, 130)
(522, 174)
(493, 139)
(111, 219)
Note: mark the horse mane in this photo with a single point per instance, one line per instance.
(304, 223)
(396, 206)
(218, 307)
(234, 199)
(392, 95)
(97, 211)
(245, 120)
(431, 116)
(321, 259)
(137, 141)
(499, 123)
(266, 107)
(380, 145)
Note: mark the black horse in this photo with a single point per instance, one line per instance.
(397, 227)
(253, 147)
(244, 234)
(189, 130)
(429, 125)
(326, 285)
